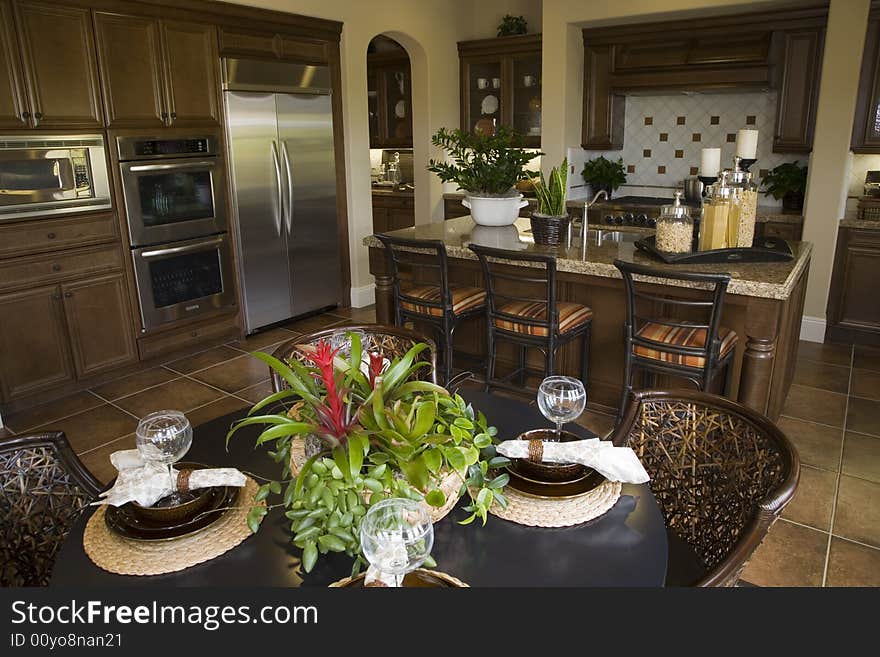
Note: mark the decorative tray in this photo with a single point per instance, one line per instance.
(763, 249)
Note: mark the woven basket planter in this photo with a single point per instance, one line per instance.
(302, 450)
(548, 230)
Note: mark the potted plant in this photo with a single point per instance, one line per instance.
(487, 167)
(787, 181)
(602, 173)
(382, 433)
(512, 25)
(550, 220)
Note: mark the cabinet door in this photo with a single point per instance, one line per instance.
(101, 334)
(525, 97)
(396, 98)
(33, 342)
(401, 218)
(866, 127)
(798, 89)
(603, 110)
(380, 219)
(13, 108)
(57, 45)
(482, 94)
(130, 54)
(191, 62)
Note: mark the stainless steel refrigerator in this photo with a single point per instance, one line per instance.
(280, 130)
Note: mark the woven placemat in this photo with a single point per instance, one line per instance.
(446, 577)
(538, 512)
(122, 556)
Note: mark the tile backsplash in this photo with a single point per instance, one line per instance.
(663, 136)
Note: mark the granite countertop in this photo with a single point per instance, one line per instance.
(772, 280)
(765, 213)
(868, 224)
(390, 191)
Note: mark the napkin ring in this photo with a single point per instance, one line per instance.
(183, 479)
(536, 451)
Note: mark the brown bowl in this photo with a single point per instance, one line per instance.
(548, 471)
(163, 512)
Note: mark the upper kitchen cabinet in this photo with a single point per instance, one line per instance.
(244, 43)
(798, 89)
(389, 97)
(501, 85)
(761, 51)
(866, 127)
(158, 73)
(47, 60)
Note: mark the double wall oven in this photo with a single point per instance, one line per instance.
(175, 202)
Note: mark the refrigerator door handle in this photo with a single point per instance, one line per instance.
(278, 194)
(289, 187)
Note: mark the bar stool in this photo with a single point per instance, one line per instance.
(422, 293)
(657, 344)
(539, 321)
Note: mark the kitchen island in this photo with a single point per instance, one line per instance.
(763, 306)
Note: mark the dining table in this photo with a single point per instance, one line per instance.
(626, 546)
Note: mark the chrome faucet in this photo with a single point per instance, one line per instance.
(585, 224)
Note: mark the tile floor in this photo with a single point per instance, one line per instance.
(828, 536)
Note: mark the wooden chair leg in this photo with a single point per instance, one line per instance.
(490, 357)
(549, 359)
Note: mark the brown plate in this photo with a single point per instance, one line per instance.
(163, 513)
(548, 472)
(417, 579)
(513, 469)
(556, 491)
(122, 521)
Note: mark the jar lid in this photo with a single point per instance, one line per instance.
(676, 210)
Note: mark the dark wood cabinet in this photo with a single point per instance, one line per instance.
(393, 212)
(798, 89)
(866, 126)
(787, 231)
(389, 91)
(13, 100)
(500, 82)
(244, 43)
(603, 109)
(34, 347)
(157, 73)
(58, 52)
(100, 327)
(853, 313)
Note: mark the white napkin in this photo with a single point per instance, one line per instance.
(147, 482)
(614, 463)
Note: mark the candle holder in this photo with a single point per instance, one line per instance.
(707, 180)
(746, 162)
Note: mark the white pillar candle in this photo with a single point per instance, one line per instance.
(747, 144)
(710, 162)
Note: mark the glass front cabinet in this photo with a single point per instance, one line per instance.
(501, 85)
(389, 98)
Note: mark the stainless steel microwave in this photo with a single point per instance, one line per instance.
(42, 175)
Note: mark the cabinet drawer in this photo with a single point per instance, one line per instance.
(206, 333)
(50, 268)
(393, 202)
(261, 44)
(785, 231)
(50, 234)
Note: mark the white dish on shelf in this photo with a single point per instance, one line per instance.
(400, 109)
(489, 105)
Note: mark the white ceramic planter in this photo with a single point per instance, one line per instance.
(498, 237)
(494, 210)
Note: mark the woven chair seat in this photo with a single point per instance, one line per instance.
(464, 298)
(571, 316)
(680, 337)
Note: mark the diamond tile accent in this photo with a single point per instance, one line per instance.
(649, 120)
(694, 171)
(679, 154)
(696, 136)
(664, 136)
(680, 120)
(731, 137)
(661, 169)
(646, 152)
(630, 168)
(751, 119)
(714, 120)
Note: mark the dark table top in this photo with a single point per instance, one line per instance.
(624, 547)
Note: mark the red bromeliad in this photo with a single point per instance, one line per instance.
(377, 362)
(332, 413)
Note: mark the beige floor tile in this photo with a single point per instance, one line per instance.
(836, 354)
(813, 405)
(94, 427)
(858, 510)
(180, 395)
(817, 444)
(863, 416)
(365, 315)
(236, 374)
(52, 411)
(814, 499)
(865, 383)
(790, 555)
(98, 460)
(257, 392)
(203, 360)
(133, 383)
(264, 340)
(219, 408)
(861, 456)
(822, 375)
(851, 564)
(315, 323)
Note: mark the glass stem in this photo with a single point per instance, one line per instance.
(558, 430)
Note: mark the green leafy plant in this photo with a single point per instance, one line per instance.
(386, 434)
(786, 178)
(551, 196)
(602, 173)
(511, 25)
(484, 165)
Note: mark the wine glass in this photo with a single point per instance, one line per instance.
(561, 399)
(396, 537)
(164, 437)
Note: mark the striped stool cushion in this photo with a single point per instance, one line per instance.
(571, 316)
(680, 337)
(463, 298)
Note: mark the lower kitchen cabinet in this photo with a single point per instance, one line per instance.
(101, 334)
(787, 231)
(853, 313)
(393, 212)
(34, 347)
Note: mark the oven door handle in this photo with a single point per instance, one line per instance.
(289, 187)
(279, 213)
(201, 246)
(201, 164)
